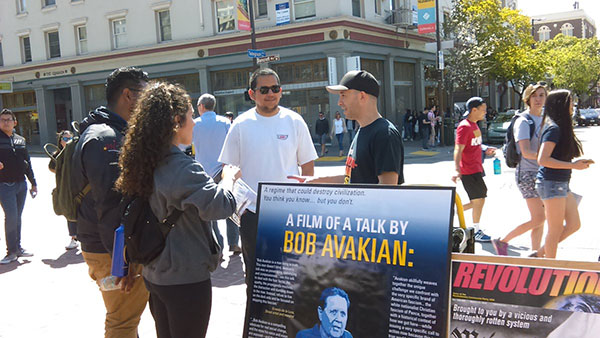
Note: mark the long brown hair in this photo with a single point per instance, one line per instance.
(557, 107)
(151, 131)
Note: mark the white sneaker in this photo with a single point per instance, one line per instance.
(9, 259)
(72, 245)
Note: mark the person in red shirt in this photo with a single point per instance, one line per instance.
(468, 161)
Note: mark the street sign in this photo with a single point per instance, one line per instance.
(256, 53)
(270, 58)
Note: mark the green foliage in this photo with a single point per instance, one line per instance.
(574, 63)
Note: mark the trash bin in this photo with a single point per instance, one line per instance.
(448, 131)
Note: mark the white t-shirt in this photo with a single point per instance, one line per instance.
(339, 126)
(521, 132)
(268, 149)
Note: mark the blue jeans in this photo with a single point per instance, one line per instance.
(408, 128)
(233, 233)
(12, 198)
(340, 139)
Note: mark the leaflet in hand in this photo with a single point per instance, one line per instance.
(244, 197)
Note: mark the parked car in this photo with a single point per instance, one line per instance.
(586, 117)
(497, 128)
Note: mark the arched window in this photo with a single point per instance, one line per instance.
(567, 29)
(544, 33)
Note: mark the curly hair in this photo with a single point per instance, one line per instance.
(151, 131)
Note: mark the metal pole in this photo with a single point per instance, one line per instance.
(441, 71)
(252, 32)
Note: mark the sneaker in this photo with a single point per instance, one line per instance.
(235, 249)
(23, 253)
(72, 245)
(534, 254)
(8, 259)
(481, 237)
(500, 247)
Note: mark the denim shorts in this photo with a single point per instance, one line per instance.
(552, 189)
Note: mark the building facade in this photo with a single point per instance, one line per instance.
(573, 23)
(57, 53)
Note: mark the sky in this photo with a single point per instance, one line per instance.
(540, 7)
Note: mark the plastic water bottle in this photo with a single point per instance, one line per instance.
(109, 283)
(497, 166)
(119, 267)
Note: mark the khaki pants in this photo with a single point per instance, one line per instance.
(123, 311)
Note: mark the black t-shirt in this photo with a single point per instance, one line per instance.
(423, 116)
(376, 148)
(552, 134)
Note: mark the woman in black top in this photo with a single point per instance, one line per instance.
(559, 146)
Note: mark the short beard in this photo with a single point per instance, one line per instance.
(266, 110)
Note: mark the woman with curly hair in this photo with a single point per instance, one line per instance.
(559, 146)
(153, 166)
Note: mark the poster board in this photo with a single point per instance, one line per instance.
(386, 247)
(499, 296)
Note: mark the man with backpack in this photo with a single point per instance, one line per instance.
(95, 163)
(520, 151)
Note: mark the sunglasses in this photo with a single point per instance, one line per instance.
(66, 138)
(265, 90)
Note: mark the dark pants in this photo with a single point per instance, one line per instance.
(425, 133)
(12, 198)
(72, 228)
(215, 228)
(180, 311)
(233, 233)
(248, 231)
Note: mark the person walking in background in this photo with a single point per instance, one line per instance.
(62, 138)
(339, 130)
(15, 165)
(432, 124)
(559, 146)
(153, 167)
(528, 145)
(351, 127)
(322, 129)
(233, 230)
(424, 129)
(408, 125)
(468, 161)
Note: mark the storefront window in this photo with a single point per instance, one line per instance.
(375, 67)
(24, 105)
(302, 72)
(404, 93)
(230, 79)
(308, 103)
(190, 82)
(95, 96)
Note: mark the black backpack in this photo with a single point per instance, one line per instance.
(144, 234)
(511, 156)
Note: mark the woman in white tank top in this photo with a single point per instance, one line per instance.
(339, 129)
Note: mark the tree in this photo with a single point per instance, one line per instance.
(493, 42)
(574, 63)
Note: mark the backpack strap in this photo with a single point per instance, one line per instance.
(172, 218)
(82, 193)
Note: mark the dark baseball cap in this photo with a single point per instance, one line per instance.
(473, 102)
(360, 80)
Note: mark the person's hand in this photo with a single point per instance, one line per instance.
(33, 191)
(456, 177)
(299, 178)
(1, 165)
(231, 172)
(490, 151)
(582, 164)
(128, 281)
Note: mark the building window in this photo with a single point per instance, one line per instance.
(25, 49)
(378, 7)
(225, 16)
(164, 25)
(356, 8)
(567, 29)
(304, 9)
(53, 45)
(260, 9)
(544, 33)
(21, 6)
(82, 45)
(46, 3)
(119, 32)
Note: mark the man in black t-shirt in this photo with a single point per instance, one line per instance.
(376, 154)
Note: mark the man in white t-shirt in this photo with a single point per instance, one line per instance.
(268, 143)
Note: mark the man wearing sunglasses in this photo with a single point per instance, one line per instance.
(268, 143)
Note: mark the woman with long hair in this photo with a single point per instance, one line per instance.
(559, 146)
(527, 133)
(339, 129)
(61, 140)
(153, 166)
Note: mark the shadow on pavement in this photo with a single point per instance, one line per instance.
(13, 266)
(232, 274)
(69, 257)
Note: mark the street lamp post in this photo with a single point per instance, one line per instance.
(533, 20)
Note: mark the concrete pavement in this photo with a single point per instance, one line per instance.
(50, 294)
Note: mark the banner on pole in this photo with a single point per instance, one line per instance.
(242, 15)
(426, 13)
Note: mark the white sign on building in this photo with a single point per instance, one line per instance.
(352, 63)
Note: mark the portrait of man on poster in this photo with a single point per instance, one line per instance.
(333, 316)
